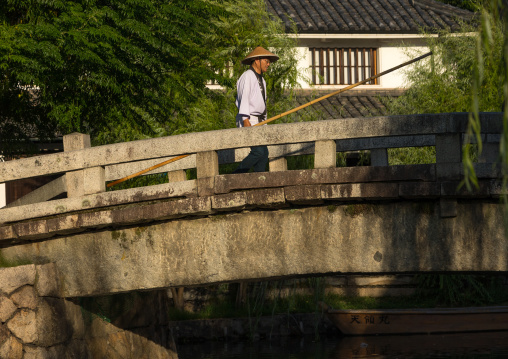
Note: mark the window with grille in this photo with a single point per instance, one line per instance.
(343, 66)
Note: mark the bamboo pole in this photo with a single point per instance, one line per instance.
(343, 89)
(282, 115)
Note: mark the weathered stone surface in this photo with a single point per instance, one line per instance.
(325, 154)
(11, 349)
(74, 316)
(63, 225)
(449, 171)
(230, 201)
(46, 326)
(448, 208)
(47, 280)
(52, 324)
(164, 210)
(32, 230)
(25, 297)
(206, 186)
(43, 209)
(496, 188)
(16, 277)
(270, 197)
(4, 333)
(366, 237)
(24, 326)
(114, 343)
(76, 349)
(7, 232)
(360, 191)
(419, 190)
(7, 308)
(455, 189)
(310, 194)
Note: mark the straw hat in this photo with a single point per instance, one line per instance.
(259, 53)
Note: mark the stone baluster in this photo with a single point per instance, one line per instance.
(379, 157)
(85, 181)
(177, 176)
(325, 154)
(448, 168)
(490, 151)
(207, 165)
(278, 164)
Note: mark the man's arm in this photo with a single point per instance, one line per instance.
(246, 122)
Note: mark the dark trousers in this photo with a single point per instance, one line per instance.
(257, 159)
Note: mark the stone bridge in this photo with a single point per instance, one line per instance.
(231, 227)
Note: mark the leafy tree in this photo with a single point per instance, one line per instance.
(104, 66)
(247, 24)
(444, 83)
(129, 70)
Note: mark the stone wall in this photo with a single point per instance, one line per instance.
(36, 323)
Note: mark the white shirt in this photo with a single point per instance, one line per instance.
(249, 99)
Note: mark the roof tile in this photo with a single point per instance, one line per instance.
(362, 16)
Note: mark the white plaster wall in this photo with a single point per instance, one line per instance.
(392, 52)
(3, 200)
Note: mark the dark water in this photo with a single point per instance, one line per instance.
(458, 346)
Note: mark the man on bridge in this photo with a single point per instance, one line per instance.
(251, 103)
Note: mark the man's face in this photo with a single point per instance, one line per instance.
(264, 64)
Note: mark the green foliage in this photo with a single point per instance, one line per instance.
(117, 70)
(444, 82)
(411, 155)
(250, 26)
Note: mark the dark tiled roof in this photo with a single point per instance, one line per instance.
(363, 16)
(354, 103)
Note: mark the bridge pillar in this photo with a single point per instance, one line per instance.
(207, 166)
(490, 151)
(325, 154)
(449, 156)
(448, 167)
(86, 181)
(379, 157)
(177, 176)
(278, 164)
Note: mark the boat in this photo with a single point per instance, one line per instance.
(417, 321)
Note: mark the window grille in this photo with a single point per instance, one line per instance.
(343, 66)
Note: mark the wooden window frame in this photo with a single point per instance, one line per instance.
(343, 66)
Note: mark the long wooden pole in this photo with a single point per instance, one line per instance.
(343, 89)
(281, 115)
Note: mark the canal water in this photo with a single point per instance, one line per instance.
(492, 345)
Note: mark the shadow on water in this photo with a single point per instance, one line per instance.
(493, 345)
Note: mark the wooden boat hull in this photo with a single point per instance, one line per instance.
(418, 321)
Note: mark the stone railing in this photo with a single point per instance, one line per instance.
(86, 170)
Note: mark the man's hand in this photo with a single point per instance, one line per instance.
(246, 123)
